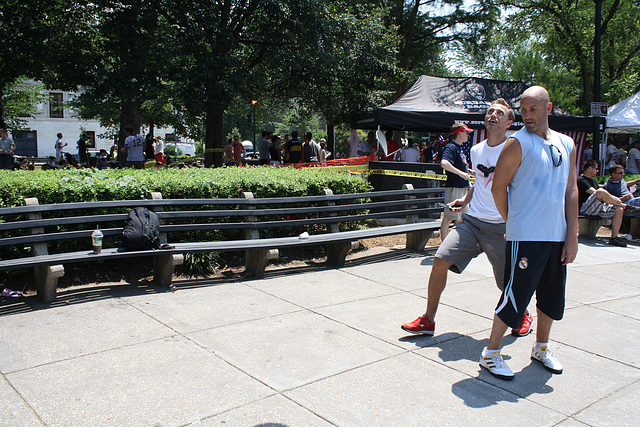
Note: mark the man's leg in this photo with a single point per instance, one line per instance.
(498, 330)
(490, 358)
(616, 222)
(544, 327)
(425, 324)
(541, 350)
(437, 283)
(444, 228)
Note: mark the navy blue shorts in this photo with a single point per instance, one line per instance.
(532, 267)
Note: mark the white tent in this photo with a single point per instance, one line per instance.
(624, 117)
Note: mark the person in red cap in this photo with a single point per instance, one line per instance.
(454, 162)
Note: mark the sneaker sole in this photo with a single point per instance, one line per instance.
(430, 333)
(502, 377)
(518, 334)
(553, 371)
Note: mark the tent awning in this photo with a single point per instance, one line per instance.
(624, 117)
(435, 103)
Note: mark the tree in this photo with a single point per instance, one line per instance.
(25, 25)
(243, 50)
(21, 100)
(117, 63)
(563, 34)
(427, 27)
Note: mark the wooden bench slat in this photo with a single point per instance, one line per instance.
(229, 245)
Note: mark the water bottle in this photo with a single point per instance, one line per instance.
(96, 240)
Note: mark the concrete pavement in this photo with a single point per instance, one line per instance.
(317, 346)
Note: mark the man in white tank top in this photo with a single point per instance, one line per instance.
(535, 191)
(482, 229)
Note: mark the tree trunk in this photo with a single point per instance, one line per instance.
(2, 122)
(213, 137)
(331, 139)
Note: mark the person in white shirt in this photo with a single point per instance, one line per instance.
(59, 146)
(134, 147)
(633, 161)
(158, 151)
(411, 153)
(611, 152)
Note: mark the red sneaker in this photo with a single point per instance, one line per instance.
(525, 327)
(420, 326)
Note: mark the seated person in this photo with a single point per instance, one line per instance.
(617, 186)
(102, 163)
(49, 164)
(594, 201)
(103, 153)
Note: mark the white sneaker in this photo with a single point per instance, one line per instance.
(492, 361)
(545, 356)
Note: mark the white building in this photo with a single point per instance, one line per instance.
(54, 116)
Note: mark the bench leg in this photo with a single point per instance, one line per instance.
(337, 253)
(417, 240)
(47, 281)
(255, 261)
(588, 227)
(163, 267)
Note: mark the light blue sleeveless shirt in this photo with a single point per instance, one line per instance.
(537, 191)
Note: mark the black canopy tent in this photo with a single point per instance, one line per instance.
(435, 103)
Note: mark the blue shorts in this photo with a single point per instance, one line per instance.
(532, 267)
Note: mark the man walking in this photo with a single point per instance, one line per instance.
(535, 191)
(263, 148)
(311, 149)
(7, 148)
(482, 229)
(59, 146)
(82, 149)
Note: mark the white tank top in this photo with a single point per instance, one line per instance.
(537, 191)
(484, 159)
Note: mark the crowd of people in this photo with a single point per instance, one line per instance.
(275, 150)
(431, 150)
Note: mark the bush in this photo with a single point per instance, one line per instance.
(78, 185)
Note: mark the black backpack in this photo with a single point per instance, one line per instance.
(142, 230)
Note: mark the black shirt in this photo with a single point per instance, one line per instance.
(584, 184)
(454, 154)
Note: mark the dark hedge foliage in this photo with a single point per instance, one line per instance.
(60, 186)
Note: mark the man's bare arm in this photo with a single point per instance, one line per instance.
(570, 249)
(506, 168)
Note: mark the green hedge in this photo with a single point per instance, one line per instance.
(60, 186)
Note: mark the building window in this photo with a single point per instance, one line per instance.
(56, 109)
(91, 142)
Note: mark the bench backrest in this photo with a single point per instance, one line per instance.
(76, 221)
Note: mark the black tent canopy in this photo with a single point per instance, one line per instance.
(435, 103)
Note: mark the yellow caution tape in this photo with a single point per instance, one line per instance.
(348, 168)
(410, 174)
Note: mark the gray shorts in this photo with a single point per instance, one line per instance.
(594, 207)
(470, 238)
(451, 194)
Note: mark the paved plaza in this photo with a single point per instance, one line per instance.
(313, 346)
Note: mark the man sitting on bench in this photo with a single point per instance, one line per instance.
(595, 201)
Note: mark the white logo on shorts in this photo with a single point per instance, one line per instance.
(524, 263)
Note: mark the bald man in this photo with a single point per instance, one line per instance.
(535, 191)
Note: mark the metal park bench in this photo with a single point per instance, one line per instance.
(262, 225)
